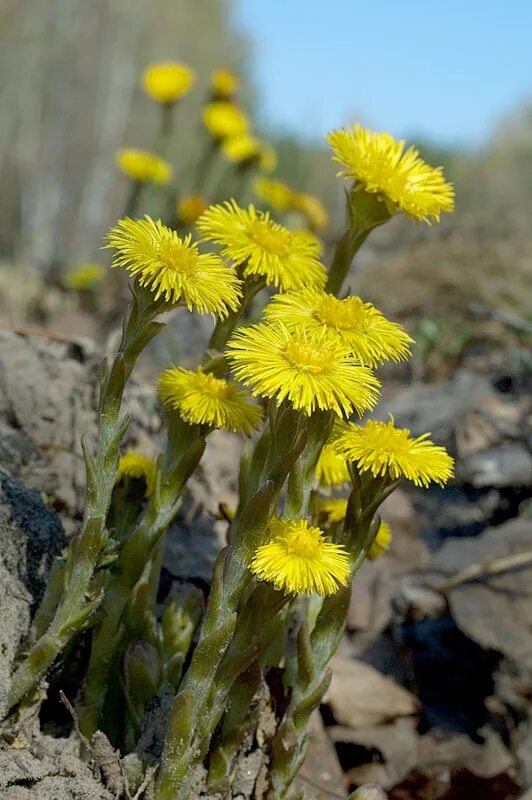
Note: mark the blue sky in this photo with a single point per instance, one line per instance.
(446, 70)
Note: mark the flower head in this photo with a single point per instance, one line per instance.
(135, 465)
(335, 508)
(382, 166)
(381, 542)
(277, 194)
(331, 469)
(310, 372)
(298, 560)
(268, 158)
(240, 148)
(203, 399)
(223, 119)
(251, 238)
(224, 83)
(167, 81)
(314, 210)
(143, 167)
(172, 267)
(384, 450)
(84, 277)
(362, 327)
(189, 208)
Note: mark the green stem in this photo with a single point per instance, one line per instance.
(185, 447)
(187, 738)
(76, 604)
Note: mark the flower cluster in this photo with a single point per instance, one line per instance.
(168, 81)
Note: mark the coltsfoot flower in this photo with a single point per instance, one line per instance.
(136, 465)
(310, 371)
(381, 542)
(84, 277)
(249, 237)
(223, 119)
(238, 149)
(191, 207)
(172, 267)
(203, 399)
(279, 196)
(335, 508)
(167, 81)
(384, 450)
(331, 469)
(361, 326)
(224, 83)
(314, 210)
(298, 560)
(380, 165)
(143, 167)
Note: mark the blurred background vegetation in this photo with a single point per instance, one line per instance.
(70, 97)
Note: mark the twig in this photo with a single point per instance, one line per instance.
(486, 568)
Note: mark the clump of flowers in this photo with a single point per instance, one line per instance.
(286, 383)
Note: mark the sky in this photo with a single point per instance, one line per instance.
(446, 71)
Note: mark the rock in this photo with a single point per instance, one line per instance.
(48, 771)
(493, 611)
(436, 408)
(48, 397)
(506, 464)
(30, 537)
(359, 696)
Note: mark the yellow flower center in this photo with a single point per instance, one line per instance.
(387, 439)
(302, 543)
(342, 315)
(176, 256)
(308, 358)
(271, 240)
(217, 388)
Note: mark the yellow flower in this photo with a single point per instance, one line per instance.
(331, 469)
(276, 193)
(251, 238)
(168, 81)
(298, 560)
(203, 399)
(309, 371)
(172, 267)
(223, 119)
(86, 276)
(224, 83)
(381, 542)
(384, 450)
(362, 327)
(135, 465)
(189, 208)
(141, 166)
(334, 508)
(240, 148)
(267, 157)
(382, 166)
(313, 209)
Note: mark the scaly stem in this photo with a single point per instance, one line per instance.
(186, 444)
(76, 604)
